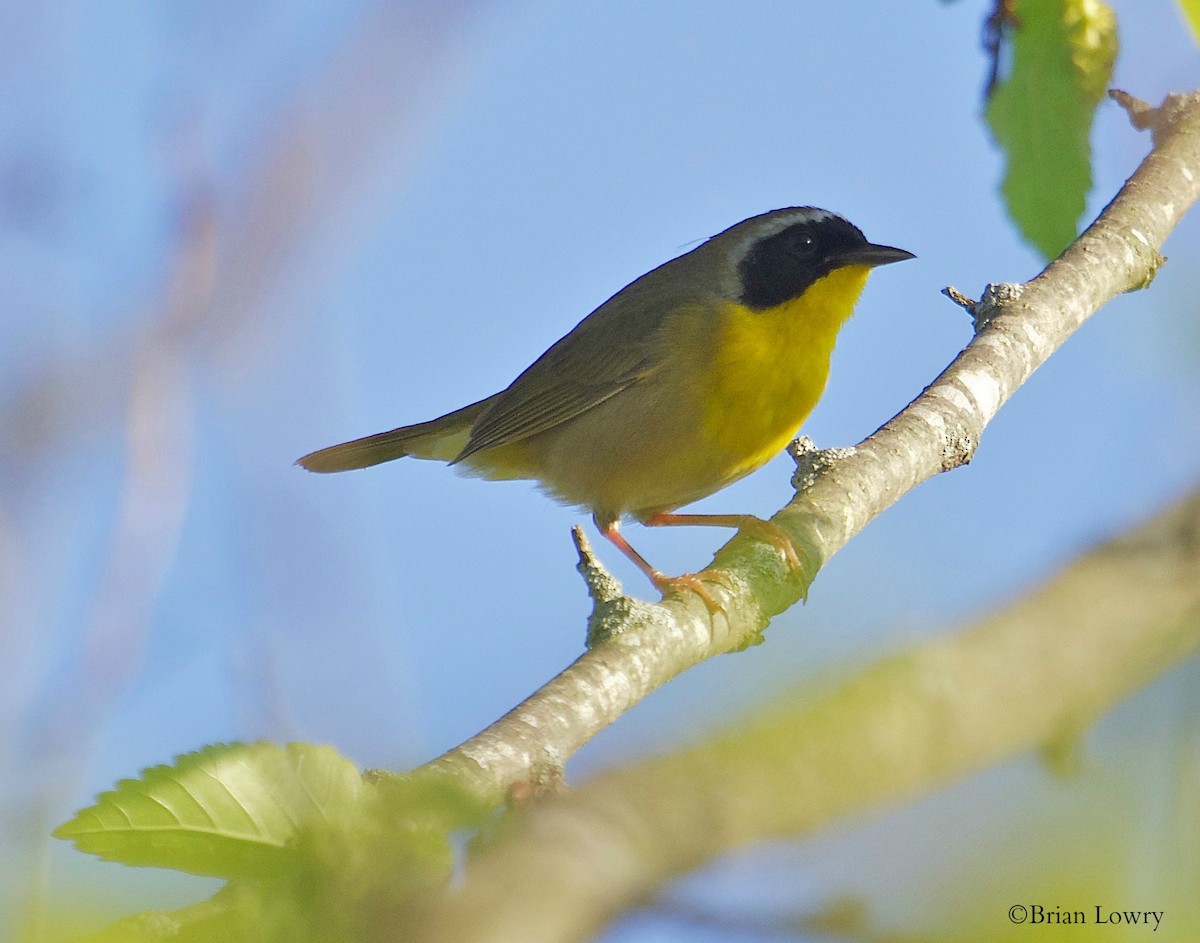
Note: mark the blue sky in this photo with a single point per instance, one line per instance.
(356, 216)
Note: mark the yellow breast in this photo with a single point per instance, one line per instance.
(770, 367)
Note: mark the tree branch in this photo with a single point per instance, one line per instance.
(639, 646)
(1033, 675)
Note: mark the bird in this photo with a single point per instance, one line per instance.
(689, 378)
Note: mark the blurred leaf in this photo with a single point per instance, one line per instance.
(1041, 115)
(399, 843)
(1191, 13)
(229, 810)
(312, 851)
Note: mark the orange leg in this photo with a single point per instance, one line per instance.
(746, 523)
(663, 583)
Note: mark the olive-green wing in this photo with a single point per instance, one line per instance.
(615, 346)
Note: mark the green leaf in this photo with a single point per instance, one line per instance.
(230, 810)
(1041, 116)
(1191, 13)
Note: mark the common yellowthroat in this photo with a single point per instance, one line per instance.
(684, 381)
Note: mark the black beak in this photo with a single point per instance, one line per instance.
(873, 255)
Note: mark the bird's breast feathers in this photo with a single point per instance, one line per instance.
(770, 366)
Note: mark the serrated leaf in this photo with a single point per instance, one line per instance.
(230, 810)
(1191, 13)
(1041, 115)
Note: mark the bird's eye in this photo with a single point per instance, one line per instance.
(802, 244)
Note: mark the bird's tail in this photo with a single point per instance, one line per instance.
(441, 439)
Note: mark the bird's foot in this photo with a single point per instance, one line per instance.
(777, 537)
(697, 583)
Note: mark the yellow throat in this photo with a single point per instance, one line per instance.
(771, 366)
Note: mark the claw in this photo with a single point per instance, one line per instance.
(773, 534)
(694, 582)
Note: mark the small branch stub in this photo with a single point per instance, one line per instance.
(1141, 114)
(959, 298)
(987, 307)
(812, 462)
(1157, 261)
(611, 608)
(1174, 114)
